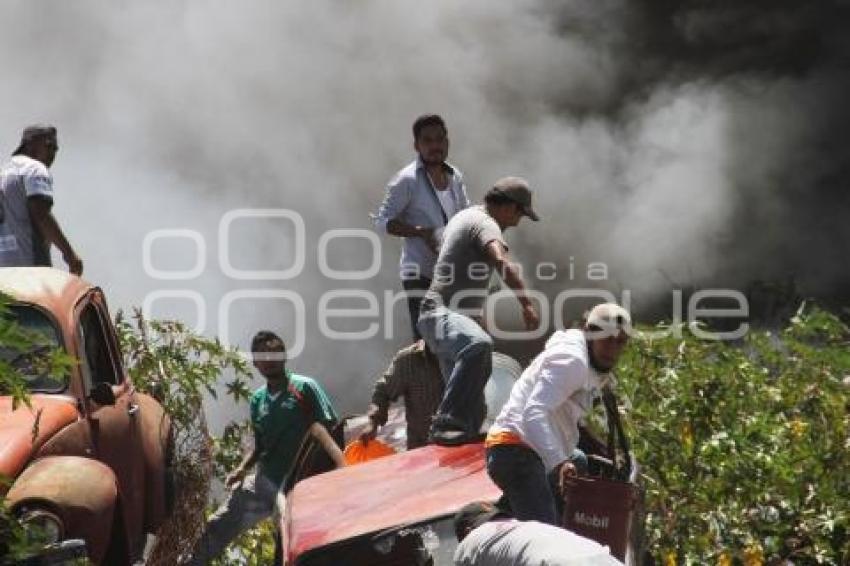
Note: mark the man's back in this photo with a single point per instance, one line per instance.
(463, 266)
(529, 543)
(20, 244)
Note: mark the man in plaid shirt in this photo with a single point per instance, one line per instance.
(414, 373)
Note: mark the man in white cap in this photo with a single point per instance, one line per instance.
(27, 225)
(533, 442)
(473, 248)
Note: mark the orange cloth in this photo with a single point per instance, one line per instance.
(356, 452)
(497, 437)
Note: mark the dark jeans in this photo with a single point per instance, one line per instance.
(530, 492)
(415, 290)
(465, 353)
(520, 474)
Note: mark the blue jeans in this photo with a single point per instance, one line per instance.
(519, 472)
(465, 353)
(415, 289)
(245, 506)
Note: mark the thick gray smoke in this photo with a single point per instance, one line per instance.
(684, 144)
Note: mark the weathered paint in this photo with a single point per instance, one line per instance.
(132, 446)
(391, 491)
(82, 490)
(17, 444)
(155, 427)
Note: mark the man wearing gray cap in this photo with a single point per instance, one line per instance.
(532, 445)
(473, 247)
(27, 225)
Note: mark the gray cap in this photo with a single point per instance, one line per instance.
(32, 133)
(516, 189)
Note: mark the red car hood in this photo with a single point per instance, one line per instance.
(17, 442)
(404, 488)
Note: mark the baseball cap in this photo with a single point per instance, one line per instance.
(609, 316)
(474, 515)
(32, 133)
(516, 189)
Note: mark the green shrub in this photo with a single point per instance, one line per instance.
(745, 447)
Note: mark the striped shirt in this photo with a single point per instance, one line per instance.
(414, 373)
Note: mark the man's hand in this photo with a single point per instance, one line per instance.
(75, 264)
(530, 316)
(369, 433)
(566, 472)
(235, 478)
(430, 238)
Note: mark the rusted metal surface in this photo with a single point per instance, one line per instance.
(404, 488)
(82, 490)
(155, 428)
(125, 441)
(17, 442)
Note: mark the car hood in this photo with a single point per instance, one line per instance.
(20, 437)
(432, 481)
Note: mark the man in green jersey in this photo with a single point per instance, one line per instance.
(283, 413)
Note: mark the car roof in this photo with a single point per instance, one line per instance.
(55, 290)
(405, 488)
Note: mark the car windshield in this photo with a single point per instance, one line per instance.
(430, 543)
(29, 361)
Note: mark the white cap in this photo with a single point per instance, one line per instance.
(609, 317)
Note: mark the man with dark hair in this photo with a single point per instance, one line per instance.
(414, 373)
(283, 413)
(27, 225)
(418, 203)
(488, 537)
(532, 445)
(473, 247)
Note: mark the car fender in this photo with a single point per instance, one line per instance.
(82, 491)
(155, 432)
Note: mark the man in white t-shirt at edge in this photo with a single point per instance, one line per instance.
(532, 445)
(418, 203)
(27, 225)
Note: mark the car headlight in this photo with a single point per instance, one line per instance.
(43, 523)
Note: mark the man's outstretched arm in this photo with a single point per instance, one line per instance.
(501, 260)
(46, 224)
(323, 437)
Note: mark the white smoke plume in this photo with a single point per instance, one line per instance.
(680, 143)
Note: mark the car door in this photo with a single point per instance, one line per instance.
(114, 428)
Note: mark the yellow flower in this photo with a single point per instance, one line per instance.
(670, 558)
(753, 555)
(724, 559)
(798, 428)
(687, 438)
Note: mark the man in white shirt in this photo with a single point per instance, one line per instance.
(488, 538)
(535, 437)
(27, 225)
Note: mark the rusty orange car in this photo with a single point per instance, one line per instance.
(89, 459)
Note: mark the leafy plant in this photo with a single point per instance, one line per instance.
(745, 447)
(178, 368)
